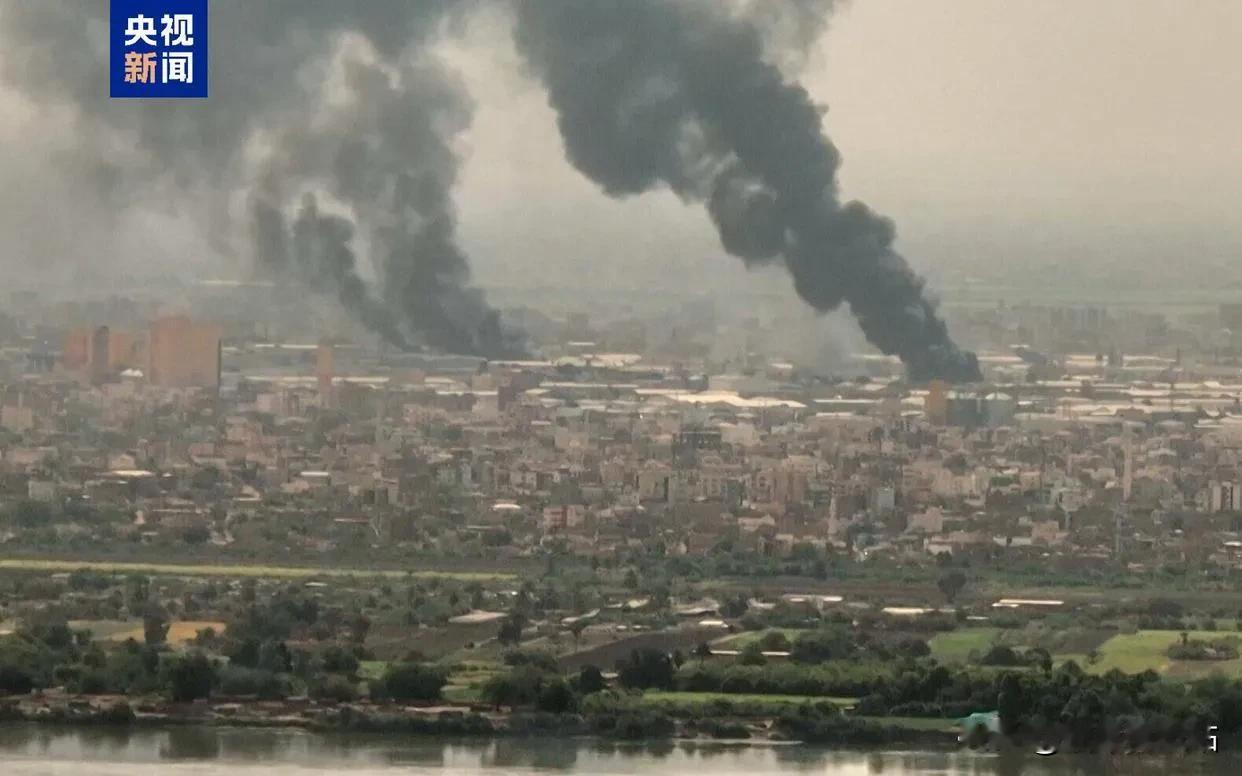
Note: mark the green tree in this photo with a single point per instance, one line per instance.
(154, 625)
(28, 513)
(510, 630)
(1010, 702)
(334, 687)
(359, 627)
(190, 677)
(646, 668)
(1084, 716)
(734, 606)
(775, 641)
(338, 660)
(413, 682)
(818, 646)
(752, 655)
(590, 679)
(556, 696)
(951, 584)
(519, 687)
(1040, 658)
(196, 534)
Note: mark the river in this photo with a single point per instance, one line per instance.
(27, 750)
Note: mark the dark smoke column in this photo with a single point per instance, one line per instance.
(373, 167)
(657, 92)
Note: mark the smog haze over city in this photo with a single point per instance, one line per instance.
(848, 373)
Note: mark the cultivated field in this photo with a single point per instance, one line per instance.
(1137, 652)
(703, 698)
(914, 723)
(119, 630)
(238, 570)
(955, 646)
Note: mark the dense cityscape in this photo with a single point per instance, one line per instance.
(738, 547)
(656, 387)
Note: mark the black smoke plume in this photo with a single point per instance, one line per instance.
(655, 93)
(317, 251)
(392, 170)
(687, 94)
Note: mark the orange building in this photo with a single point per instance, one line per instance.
(126, 350)
(325, 365)
(102, 351)
(183, 354)
(76, 353)
(936, 405)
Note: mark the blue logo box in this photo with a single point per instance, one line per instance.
(158, 48)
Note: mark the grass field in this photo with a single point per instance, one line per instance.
(1137, 652)
(955, 646)
(697, 698)
(206, 570)
(466, 681)
(914, 723)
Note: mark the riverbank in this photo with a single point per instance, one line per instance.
(450, 721)
(190, 750)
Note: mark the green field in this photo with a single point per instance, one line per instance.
(465, 680)
(1137, 652)
(205, 570)
(955, 646)
(740, 640)
(699, 698)
(914, 723)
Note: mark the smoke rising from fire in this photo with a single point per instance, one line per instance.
(335, 125)
(653, 93)
(281, 130)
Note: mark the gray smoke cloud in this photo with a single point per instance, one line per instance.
(381, 145)
(316, 249)
(320, 106)
(265, 135)
(652, 93)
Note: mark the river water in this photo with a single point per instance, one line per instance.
(26, 750)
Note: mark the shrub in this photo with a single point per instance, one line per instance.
(237, 680)
(646, 668)
(543, 660)
(556, 696)
(590, 679)
(413, 682)
(190, 677)
(334, 688)
(338, 660)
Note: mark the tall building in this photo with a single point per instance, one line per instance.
(99, 361)
(101, 352)
(325, 367)
(76, 353)
(183, 354)
(936, 405)
(126, 350)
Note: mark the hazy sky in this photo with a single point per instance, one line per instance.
(990, 130)
(1048, 131)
